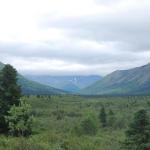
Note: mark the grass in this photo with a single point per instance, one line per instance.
(57, 117)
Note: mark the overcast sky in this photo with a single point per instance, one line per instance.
(70, 37)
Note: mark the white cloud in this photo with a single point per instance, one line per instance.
(74, 36)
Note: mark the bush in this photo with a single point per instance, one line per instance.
(19, 119)
(89, 125)
(59, 114)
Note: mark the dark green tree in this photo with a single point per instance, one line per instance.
(10, 93)
(111, 118)
(138, 134)
(103, 117)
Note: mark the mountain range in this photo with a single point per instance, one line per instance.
(33, 88)
(67, 83)
(134, 81)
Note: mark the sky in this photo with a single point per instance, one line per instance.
(74, 37)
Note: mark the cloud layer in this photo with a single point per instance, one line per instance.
(74, 37)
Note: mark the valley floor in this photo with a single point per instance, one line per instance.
(58, 120)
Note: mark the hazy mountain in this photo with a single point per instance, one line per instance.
(68, 83)
(1, 65)
(135, 81)
(32, 87)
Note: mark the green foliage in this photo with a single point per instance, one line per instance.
(67, 132)
(19, 119)
(138, 134)
(9, 92)
(89, 125)
(59, 114)
(103, 117)
(111, 118)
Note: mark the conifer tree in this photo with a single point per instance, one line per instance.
(138, 134)
(9, 92)
(111, 118)
(103, 117)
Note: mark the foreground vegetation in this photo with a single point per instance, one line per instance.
(60, 123)
(15, 118)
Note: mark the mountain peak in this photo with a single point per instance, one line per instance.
(147, 65)
(134, 81)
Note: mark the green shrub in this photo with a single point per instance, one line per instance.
(59, 114)
(89, 125)
(19, 119)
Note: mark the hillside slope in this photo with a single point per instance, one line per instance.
(67, 83)
(135, 81)
(34, 88)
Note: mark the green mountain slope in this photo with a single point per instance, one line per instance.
(125, 82)
(34, 88)
(67, 83)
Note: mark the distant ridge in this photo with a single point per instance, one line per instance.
(68, 83)
(134, 81)
(33, 88)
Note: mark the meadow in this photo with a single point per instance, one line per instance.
(58, 122)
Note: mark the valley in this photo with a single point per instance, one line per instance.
(58, 123)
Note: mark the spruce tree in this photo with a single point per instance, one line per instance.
(103, 117)
(111, 118)
(10, 92)
(138, 134)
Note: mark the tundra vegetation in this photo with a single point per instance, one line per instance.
(71, 122)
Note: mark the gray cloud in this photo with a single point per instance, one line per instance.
(128, 27)
(90, 44)
(106, 1)
(70, 53)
